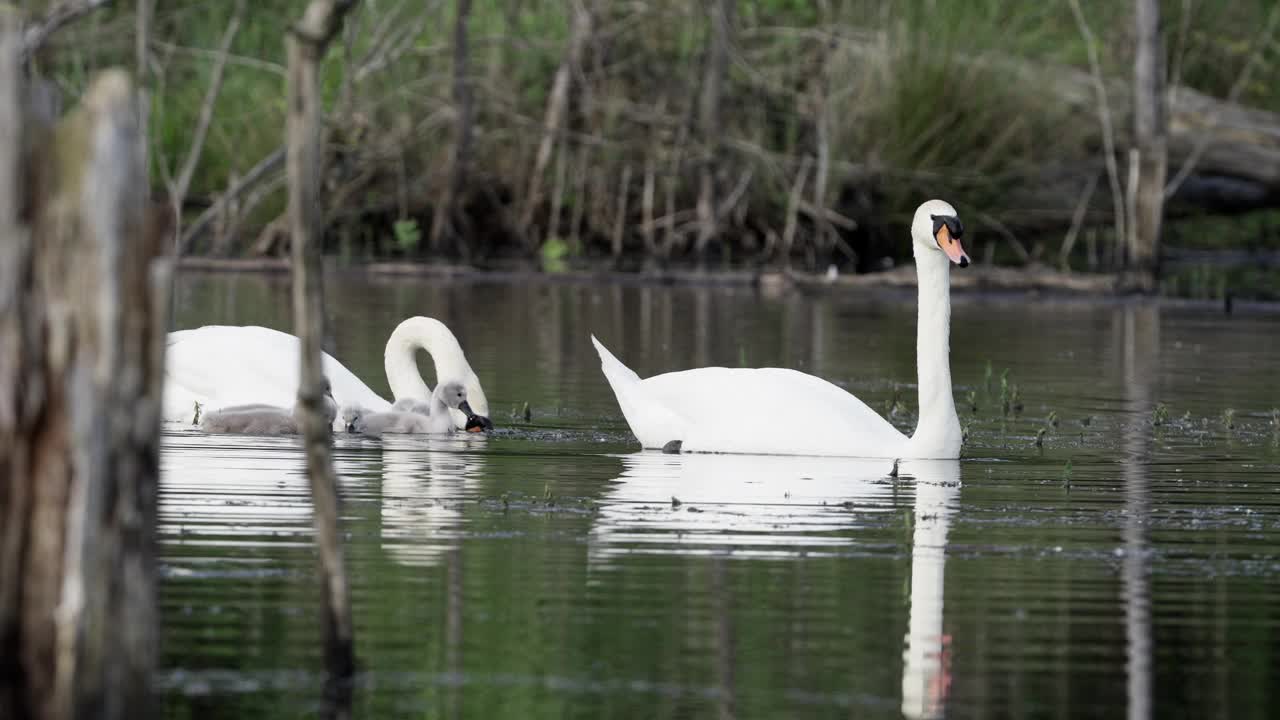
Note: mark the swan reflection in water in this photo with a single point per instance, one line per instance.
(231, 490)
(764, 506)
(245, 491)
(748, 505)
(926, 672)
(424, 482)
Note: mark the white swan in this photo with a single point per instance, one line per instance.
(736, 410)
(219, 365)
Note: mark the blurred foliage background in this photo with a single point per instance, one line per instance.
(832, 120)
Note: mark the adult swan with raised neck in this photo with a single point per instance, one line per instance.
(220, 365)
(739, 410)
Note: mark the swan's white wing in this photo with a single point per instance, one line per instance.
(650, 420)
(767, 410)
(220, 365)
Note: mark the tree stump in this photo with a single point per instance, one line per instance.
(82, 326)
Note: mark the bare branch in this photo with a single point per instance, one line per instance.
(827, 215)
(1104, 116)
(1006, 233)
(646, 204)
(265, 167)
(793, 205)
(183, 181)
(1202, 142)
(391, 41)
(60, 15)
(735, 196)
(11, 143)
(557, 103)
(1077, 220)
(231, 58)
(221, 244)
(620, 225)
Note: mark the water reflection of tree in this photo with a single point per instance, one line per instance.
(1140, 352)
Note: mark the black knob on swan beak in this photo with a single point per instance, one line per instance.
(475, 423)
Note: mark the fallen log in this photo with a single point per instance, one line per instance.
(1236, 148)
(975, 279)
(1237, 168)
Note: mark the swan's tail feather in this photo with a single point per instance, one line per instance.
(651, 422)
(613, 368)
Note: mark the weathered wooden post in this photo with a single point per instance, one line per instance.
(81, 365)
(306, 44)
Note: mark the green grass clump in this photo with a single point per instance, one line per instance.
(1160, 415)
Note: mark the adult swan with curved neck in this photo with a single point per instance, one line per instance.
(738, 410)
(219, 365)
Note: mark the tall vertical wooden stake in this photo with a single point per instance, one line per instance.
(306, 44)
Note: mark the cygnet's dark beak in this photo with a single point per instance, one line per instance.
(351, 427)
(475, 423)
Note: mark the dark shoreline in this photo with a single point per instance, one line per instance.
(974, 283)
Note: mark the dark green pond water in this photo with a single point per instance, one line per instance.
(1123, 569)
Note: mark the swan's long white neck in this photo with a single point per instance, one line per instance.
(938, 432)
(402, 367)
